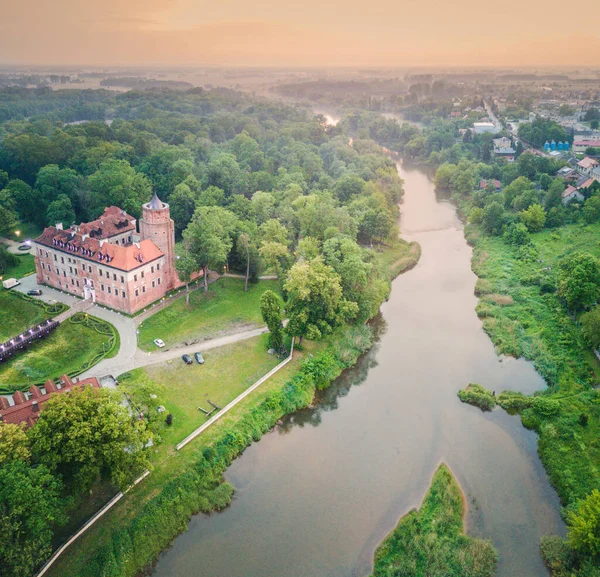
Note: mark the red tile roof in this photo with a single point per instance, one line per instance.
(117, 256)
(569, 191)
(112, 222)
(28, 411)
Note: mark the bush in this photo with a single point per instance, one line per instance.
(169, 419)
(546, 407)
(476, 395)
(557, 555)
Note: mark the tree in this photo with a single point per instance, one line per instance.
(25, 199)
(209, 238)
(89, 433)
(308, 248)
(60, 210)
(8, 221)
(533, 218)
(186, 266)
(270, 309)
(517, 234)
(578, 280)
(493, 218)
(553, 198)
(14, 445)
(315, 301)
(348, 186)
(182, 203)
(590, 327)
(244, 242)
(584, 524)
(445, 175)
(117, 183)
(30, 506)
(591, 210)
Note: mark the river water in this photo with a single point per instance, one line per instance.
(315, 496)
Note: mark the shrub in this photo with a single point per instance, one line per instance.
(583, 419)
(476, 395)
(546, 407)
(169, 419)
(557, 555)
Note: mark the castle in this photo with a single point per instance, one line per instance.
(108, 261)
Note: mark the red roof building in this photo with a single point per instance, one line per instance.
(26, 407)
(108, 261)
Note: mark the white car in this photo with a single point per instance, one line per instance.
(159, 343)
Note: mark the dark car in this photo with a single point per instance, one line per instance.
(187, 359)
(35, 292)
(199, 358)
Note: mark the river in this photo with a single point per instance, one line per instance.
(315, 496)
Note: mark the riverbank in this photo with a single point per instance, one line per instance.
(524, 317)
(129, 538)
(431, 540)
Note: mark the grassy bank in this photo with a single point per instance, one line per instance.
(129, 537)
(72, 348)
(225, 307)
(398, 258)
(524, 317)
(431, 541)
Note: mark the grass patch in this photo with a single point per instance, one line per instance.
(225, 308)
(19, 312)
(24, 267)
(72, 348)
(27, 230)
(477, 396)
(398, 258)
(431, 541)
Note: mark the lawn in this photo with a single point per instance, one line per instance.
(25, 266)
(27, 231)
(66, 350)
(18, 314)
(431, 541)
(225, 309)
(180, 388)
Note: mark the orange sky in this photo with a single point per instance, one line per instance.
(307, 32)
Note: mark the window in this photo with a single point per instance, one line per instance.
(73, 282)
(55, 257)
(102, 287)
(99, 272)
(123, 294)
(90, 269)
(158, 266)
(108, 289)
(142, 274)
(114, 276)
(152, 269)
(47, 278)
(71, 269)
(77, 282)
(65, 273)
(122, 279)
(144, 289)
(46, 254)
(43, 266)
(135, 278)
(62, 259)
(57, 272)
(153, 284)
(159, 281)
(137, 293)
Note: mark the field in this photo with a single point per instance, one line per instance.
(225, 308)
(66, 350)
(180, 388)
(18, 314)
(431, 541)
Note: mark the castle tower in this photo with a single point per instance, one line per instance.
(157, 225)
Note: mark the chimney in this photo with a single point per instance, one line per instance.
(59, 225)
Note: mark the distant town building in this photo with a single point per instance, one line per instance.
(587, 165)
(483, 183)
(503, 149)
(570, 194)
(108, 261)
(26, 407)
(580, 146)
(483, 127)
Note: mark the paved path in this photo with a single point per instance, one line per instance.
(127, 361)
(129, 356)
(13, 246)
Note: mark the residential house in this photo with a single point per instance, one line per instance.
(570, 194)
(587, 165)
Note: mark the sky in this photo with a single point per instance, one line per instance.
(299, 33)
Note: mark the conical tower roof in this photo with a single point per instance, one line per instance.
(155, 203)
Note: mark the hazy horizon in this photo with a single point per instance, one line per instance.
(314, 34)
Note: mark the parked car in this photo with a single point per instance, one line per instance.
(199, 358)
(187, 359)
(159, 343)
(35, 292)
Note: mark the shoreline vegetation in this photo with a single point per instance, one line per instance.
(431, 540)
(130, 537)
